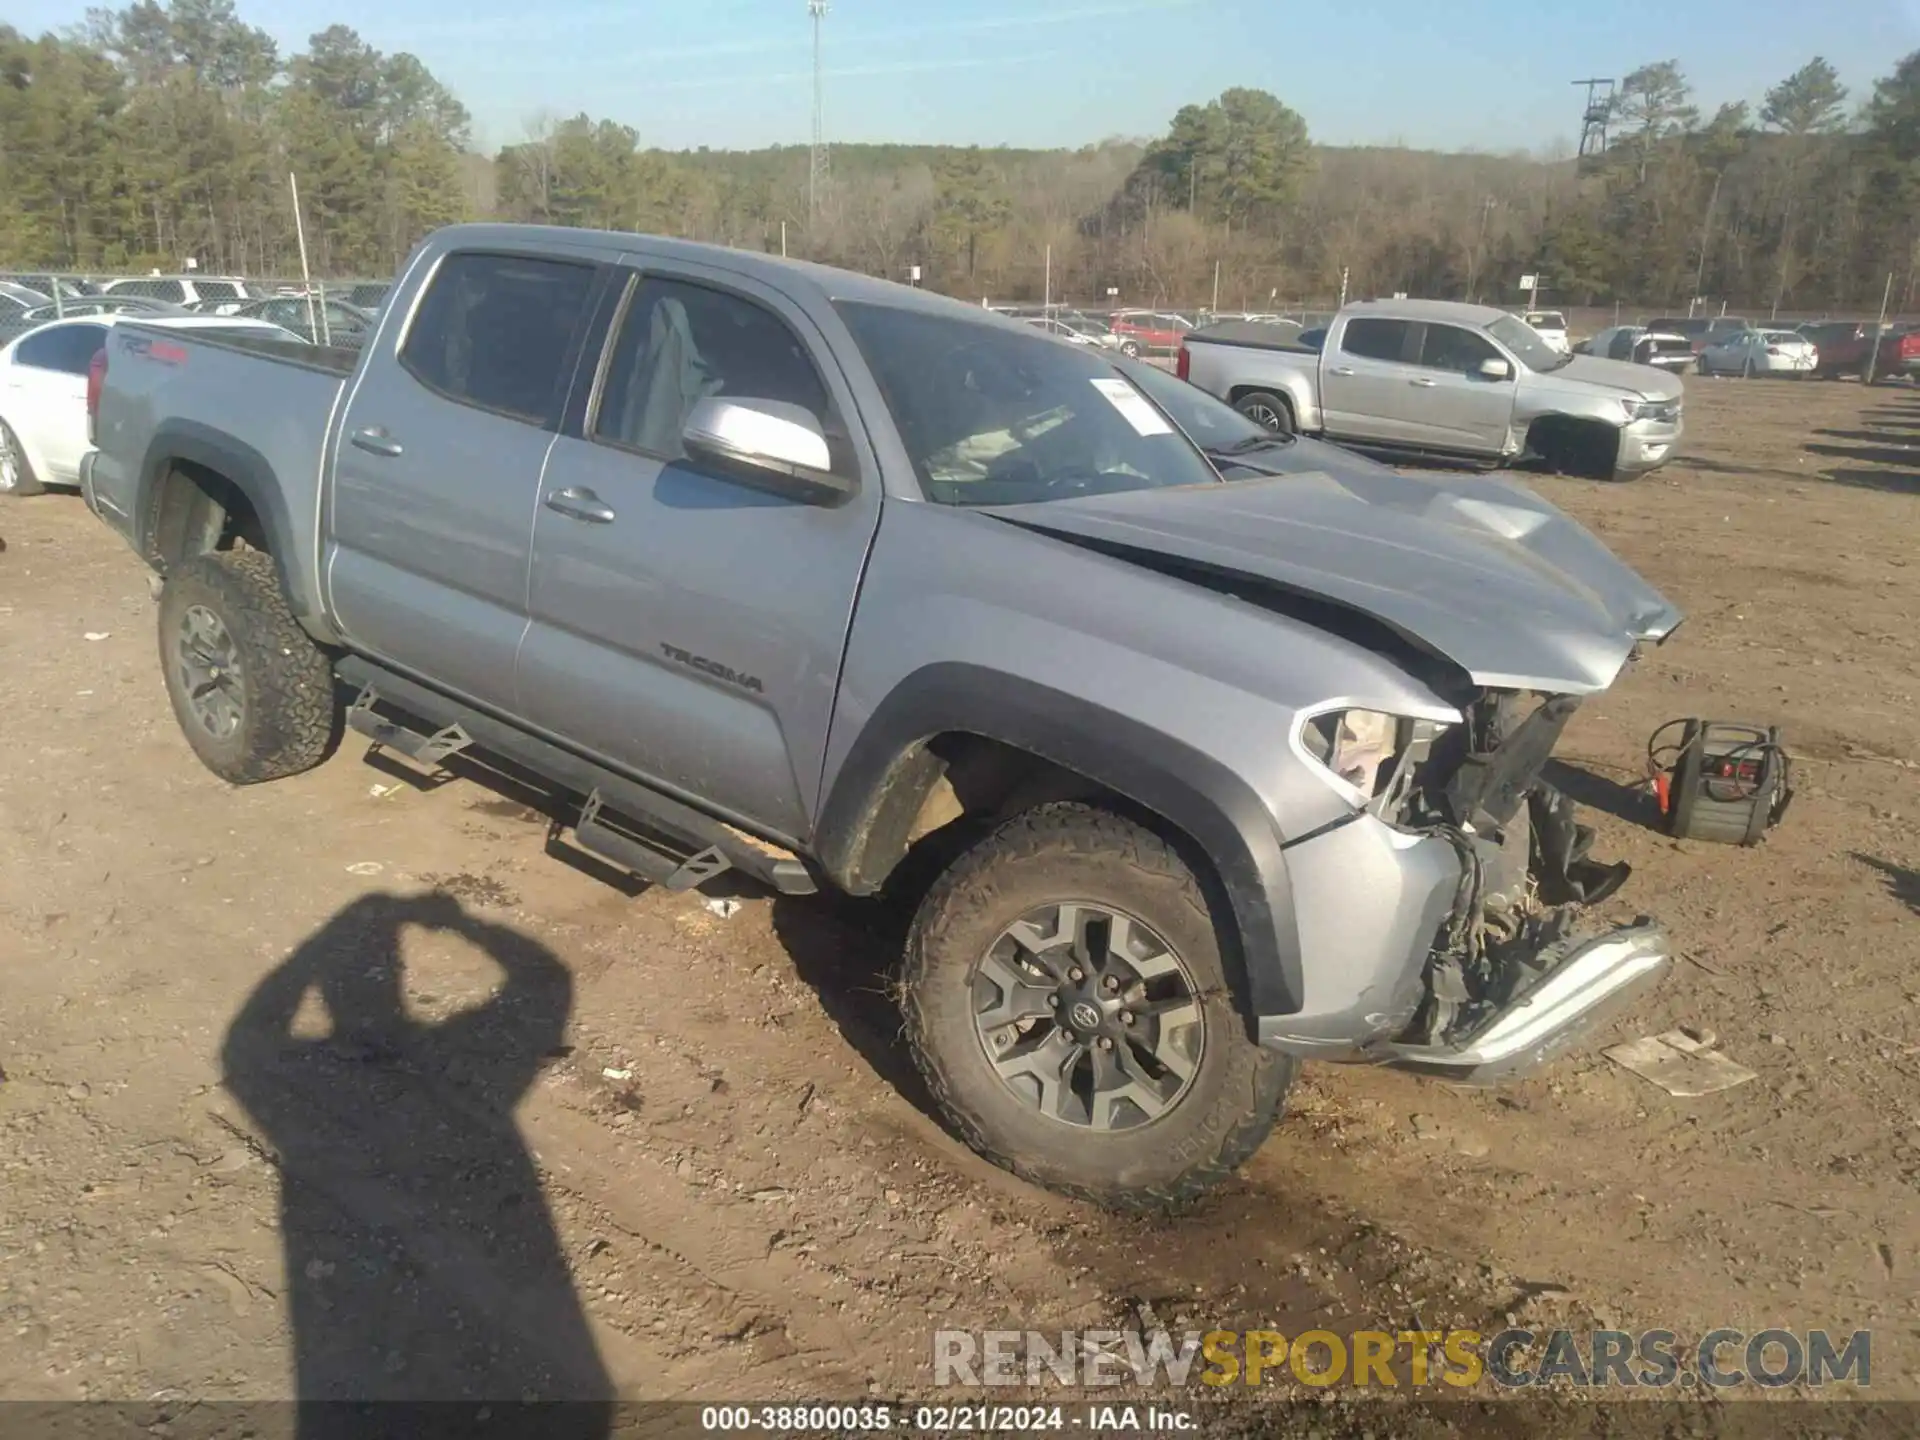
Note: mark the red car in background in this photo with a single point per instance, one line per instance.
(1844, 346)
(1151, 330)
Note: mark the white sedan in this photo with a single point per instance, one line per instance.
(43, 392)
(1760, 352)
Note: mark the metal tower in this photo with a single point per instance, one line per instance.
(817, 167)
(1593, 122)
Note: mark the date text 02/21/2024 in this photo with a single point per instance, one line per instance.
(943, 1419)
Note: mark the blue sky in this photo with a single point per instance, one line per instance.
(1444, 74)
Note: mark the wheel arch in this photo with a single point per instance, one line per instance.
(1278, 392)
(36, 461)
(940, 719)
(200, 489)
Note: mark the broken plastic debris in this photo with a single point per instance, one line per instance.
(364, 867)
(98, 634)
(621, 1074)
(725, 909)
(1682, 1064)
(378, 791)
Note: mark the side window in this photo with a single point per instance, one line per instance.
(495, 331)
(681, 343)
(1375, 339)
(1622, 346)
(168, 290)
(1452, 347)
(66, 348)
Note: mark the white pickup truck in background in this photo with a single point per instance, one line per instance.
(1437, 380)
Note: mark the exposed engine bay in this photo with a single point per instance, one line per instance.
(1526, 875)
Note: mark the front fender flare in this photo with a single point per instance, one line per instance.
(876, 792)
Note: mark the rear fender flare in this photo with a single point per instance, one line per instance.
(875, 796)
(247, 470)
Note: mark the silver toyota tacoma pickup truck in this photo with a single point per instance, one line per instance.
(1446, 381)
(1225, 747)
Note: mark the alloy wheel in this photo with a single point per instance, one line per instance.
(1089, 1016)
(209, 668)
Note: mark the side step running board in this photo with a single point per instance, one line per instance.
(427, 750)
(643, 857)
(662, 840)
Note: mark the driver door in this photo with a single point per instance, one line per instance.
(1449, 404)
(686, 628)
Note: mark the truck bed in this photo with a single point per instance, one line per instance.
(1253, 335)
(226, 397)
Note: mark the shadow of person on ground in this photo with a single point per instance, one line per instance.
(421, 1261)
(1903, 884)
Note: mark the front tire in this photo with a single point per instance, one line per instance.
(1068, 1004)
(1130, 349)
(16, 471)
(1267, 410)
(252, 692)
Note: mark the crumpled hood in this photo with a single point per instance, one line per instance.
(1476, 569)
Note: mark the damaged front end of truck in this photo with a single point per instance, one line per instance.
(1516, 971)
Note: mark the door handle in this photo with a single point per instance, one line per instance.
(580, 503)
(1424, 383)
(375, 441)
(1343, 369)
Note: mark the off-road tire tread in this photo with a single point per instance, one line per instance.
(1088, 830)
(293, 715)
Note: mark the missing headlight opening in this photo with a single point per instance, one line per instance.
(1526, 876)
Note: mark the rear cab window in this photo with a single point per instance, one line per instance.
(1374, 339)
(497, 332)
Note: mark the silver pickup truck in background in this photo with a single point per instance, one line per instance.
(1225, 753)
(1436, 380)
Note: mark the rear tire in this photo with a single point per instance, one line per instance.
(16, 471)
(252, 692)
(1097, 899)
(1267, 410)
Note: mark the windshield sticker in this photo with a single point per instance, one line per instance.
(1134, 407)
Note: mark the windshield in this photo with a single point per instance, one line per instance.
(994, 416)
(1547, 320)
(1211, 424)
(1525, 343)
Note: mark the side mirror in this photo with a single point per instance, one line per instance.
(768, 444)
(1495, 369)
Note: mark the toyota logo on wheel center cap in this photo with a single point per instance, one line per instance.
(1084, 1016)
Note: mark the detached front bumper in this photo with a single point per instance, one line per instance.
(1590, 981)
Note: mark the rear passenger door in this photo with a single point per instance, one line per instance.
(687, 628)
(1364, 381)
(437, 469)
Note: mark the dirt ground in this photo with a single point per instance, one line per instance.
(587, 1139)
